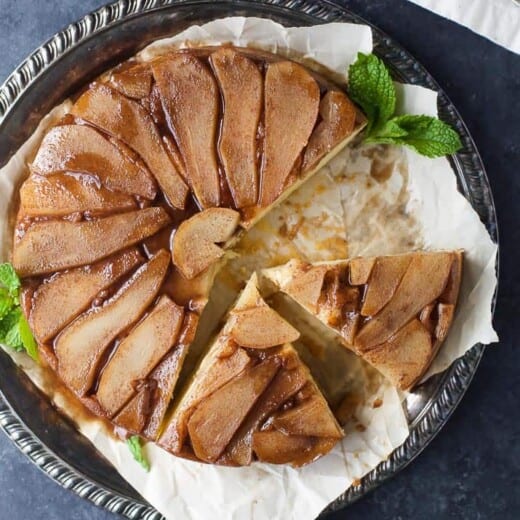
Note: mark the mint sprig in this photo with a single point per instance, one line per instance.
(372, 88)
(14, 329)
(134, 445)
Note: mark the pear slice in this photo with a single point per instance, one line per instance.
(241, 84)
(82, 149)
(80, 347)
(445, 312)
(138, 354)
(338, 120)
(213, 373)
(384, 280)
(64, 296)
(360, 269)
(284, 385)
(404, 358)
(275, 447)
(134, 415)
(214, 421)
(166, 374)
(55, 245)
(261, 327)
(292, 99)
(129, 122)
(134, 82)
(312, 418)
(423, 282)
(190, 100)
(195, 241)
(60, 194)
(301, 281)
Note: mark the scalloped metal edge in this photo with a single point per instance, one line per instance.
(456, 379)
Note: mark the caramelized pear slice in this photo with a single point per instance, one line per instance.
(241, 84)
(55, 245)
(405, 357)
(306, 286)
(277, 448)
(134, 82)
(312, 418)
(261, 327)
(138, 354)
(64, 296)
(292, 99)
(284, 385)
(166, 374)
(423, 282)
(195, 242)
(80, 347)
(60, 194)
(384, 280)
(451, 291)
(360, 269)
(82, 149)
(208, 380)
(338, 119)
(445, 312)
(134, 415)
(190, 100)
(214, 421)
(126, 120)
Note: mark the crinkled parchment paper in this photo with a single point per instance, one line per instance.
(370, 200)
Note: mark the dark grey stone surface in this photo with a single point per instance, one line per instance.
(472, 469)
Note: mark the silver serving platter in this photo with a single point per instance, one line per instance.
(79, 53)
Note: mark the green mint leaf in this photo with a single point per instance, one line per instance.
(389, 133)
(28, 342)
(9, 279)
(371, 87)
(13, 338)
(427, 135)
(8, 322)
(15, 332)
(134, 444)
(6, 302)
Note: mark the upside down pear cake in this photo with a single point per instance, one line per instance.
(130, 204)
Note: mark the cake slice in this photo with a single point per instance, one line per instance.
(251, 397)
(393, 311)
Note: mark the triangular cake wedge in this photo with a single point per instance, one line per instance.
(251, 397)
(394, 311)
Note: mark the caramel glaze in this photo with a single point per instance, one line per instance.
(152, 104)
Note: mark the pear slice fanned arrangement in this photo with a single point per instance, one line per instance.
(133, 198)
(393, 311)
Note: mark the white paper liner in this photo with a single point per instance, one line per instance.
(440, 217)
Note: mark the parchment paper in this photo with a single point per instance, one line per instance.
(404, 201)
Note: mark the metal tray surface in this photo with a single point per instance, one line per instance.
(80, 52)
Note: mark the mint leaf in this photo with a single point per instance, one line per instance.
(14, 329)
(371, 87)
(9, 279)
(8, 322)
(389, 133)
(134, 444)
(6, 302)
(13, 338)
(28, 342)
(427, 135)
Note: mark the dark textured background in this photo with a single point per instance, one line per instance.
(472, 469)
